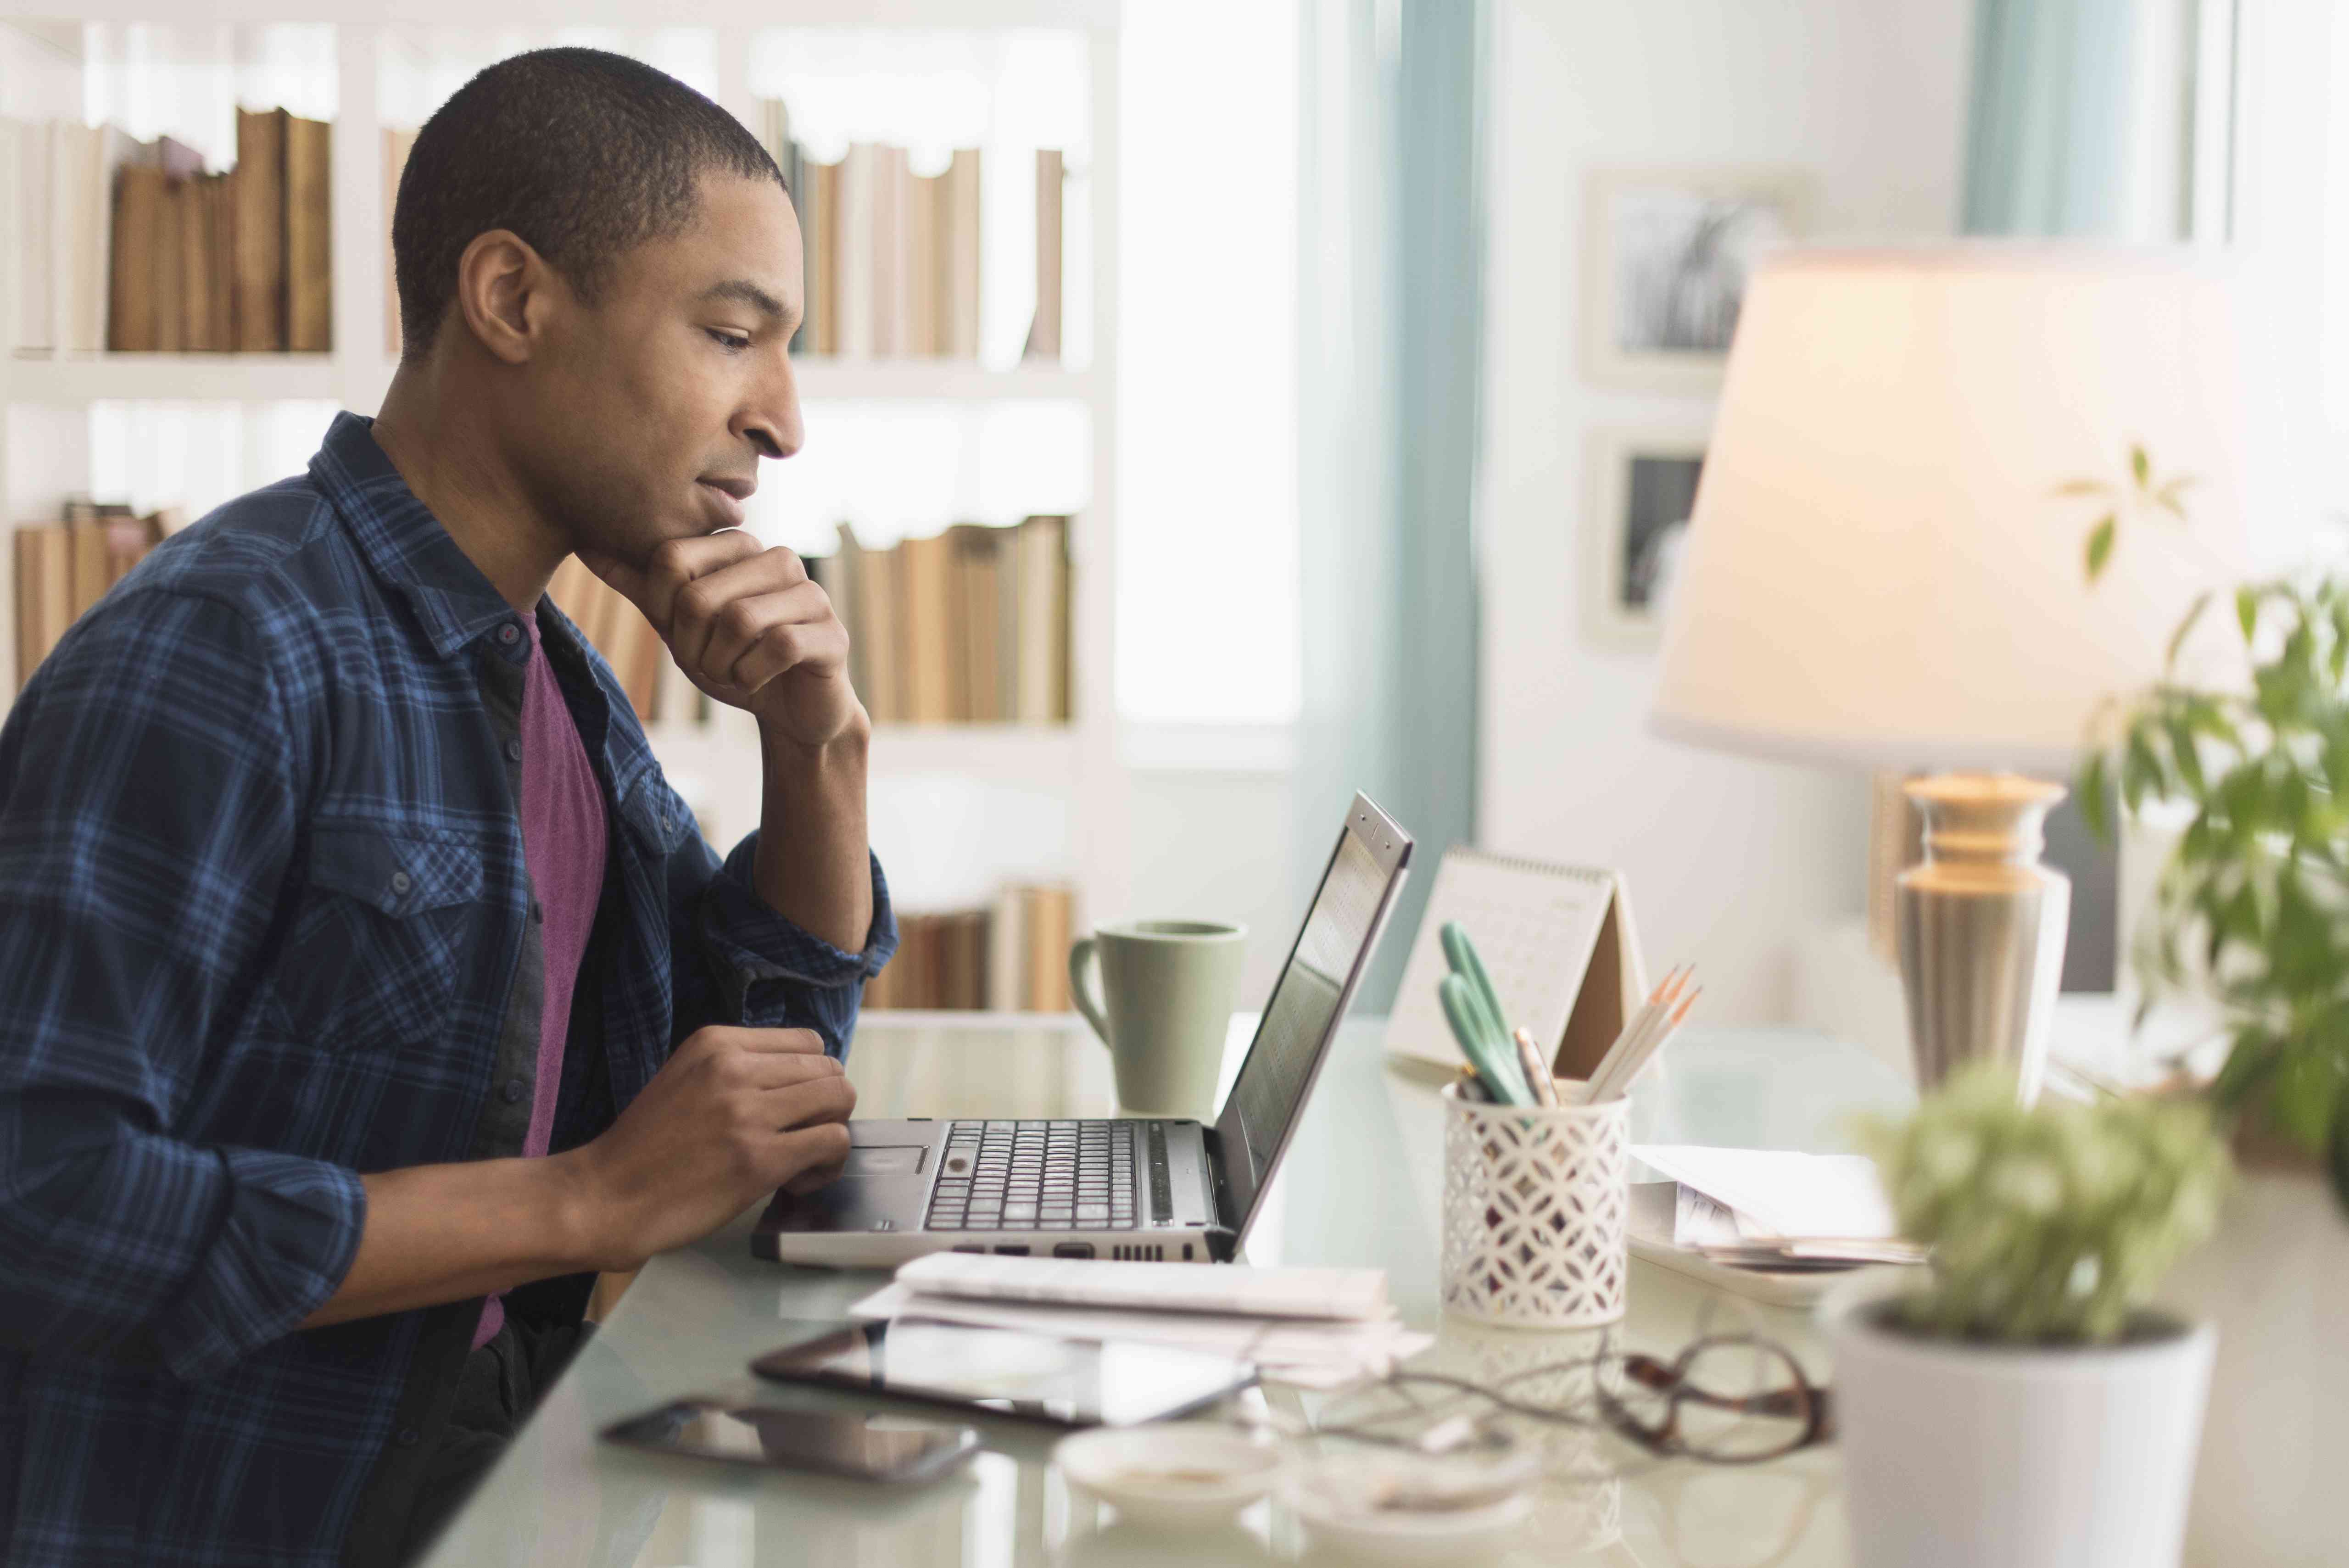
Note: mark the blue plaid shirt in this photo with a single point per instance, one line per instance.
(267, 925)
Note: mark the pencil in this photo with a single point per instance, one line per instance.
(1628, 1073)
(1642, 1020)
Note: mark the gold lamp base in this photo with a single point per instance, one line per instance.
(1981, 925)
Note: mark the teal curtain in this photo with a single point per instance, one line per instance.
(2065, 137)
(1390, 244)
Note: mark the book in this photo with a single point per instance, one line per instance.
(1050, 917)
(167, 263)
(880, 621)
(220, 262)
(1042, 654)
(924, 199)
(930, 632)
(133, 307)
(1007, 954)
(397, 145)
(261, 298)
(843, 571)
(890, 226)
(309, 236)
(194, 201)
(33, 228)
(959, 256)
(978, 591)
(853, 256)
(1044, 334)
(821, 227)
(88, 159)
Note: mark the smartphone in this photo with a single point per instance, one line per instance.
(1038, 1377)
(866, 1447)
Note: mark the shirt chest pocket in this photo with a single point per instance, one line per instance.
(380, 939)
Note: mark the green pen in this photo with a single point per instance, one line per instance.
(1497, 1071)
(1461, 953)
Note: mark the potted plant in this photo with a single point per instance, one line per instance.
(2250, 920)
(2022, 1406)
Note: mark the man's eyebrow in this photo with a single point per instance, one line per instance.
(745, 292)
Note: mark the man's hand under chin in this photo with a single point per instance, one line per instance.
(747, 626)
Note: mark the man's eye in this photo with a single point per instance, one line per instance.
(732, 340)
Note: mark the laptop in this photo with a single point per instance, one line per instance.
(1148, 1189)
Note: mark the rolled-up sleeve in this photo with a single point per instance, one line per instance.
(145, 833)
(774, 974)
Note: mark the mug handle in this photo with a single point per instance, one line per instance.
(1081, 994)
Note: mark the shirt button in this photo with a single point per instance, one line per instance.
(514, 751)
(401, 881)
(515, 1088)
(408, 1437)
(537, 913)
(509, 634)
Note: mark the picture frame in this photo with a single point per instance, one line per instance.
(1641, 488)
(1665, 256)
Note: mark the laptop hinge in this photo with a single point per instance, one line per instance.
(1223, 1237)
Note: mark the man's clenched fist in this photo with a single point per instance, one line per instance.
(733, 1115)
(748, 627)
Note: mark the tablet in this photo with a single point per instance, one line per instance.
(1035, 1377)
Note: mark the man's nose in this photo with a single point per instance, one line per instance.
(770, 420)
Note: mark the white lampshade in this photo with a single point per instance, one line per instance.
(1880, 568)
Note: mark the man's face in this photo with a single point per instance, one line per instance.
(645, 418)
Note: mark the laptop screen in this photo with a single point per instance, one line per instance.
(1310, 997)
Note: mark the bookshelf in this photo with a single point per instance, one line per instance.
(1057, 793)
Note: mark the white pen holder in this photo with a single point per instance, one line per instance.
(1536, 1202)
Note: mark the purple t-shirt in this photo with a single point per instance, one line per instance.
(563, 843)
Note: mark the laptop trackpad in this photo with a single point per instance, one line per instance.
(901, 1160)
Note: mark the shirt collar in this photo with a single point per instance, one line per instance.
(402, 542)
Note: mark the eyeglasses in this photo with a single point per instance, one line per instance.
(1725, 1399)
(1728, 1399)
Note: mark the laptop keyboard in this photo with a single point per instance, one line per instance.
(1050, 1176)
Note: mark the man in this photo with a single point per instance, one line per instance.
(364, 987)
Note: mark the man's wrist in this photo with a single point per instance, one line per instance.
(587, 1224)
(785, 753)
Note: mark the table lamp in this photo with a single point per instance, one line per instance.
(1958, 498)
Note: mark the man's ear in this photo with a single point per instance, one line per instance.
(504, 290)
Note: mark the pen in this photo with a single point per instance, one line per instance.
(1464, 1011)
(1537, 1074)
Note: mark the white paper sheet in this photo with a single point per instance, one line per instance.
(1316, 1354)
(1780, 1193)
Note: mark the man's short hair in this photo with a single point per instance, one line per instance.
(583, 153)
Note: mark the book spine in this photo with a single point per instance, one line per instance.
(1044, 337)
(309, 236)
(261, 231)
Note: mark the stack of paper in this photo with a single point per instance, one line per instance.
(1320, 1328)
(1733, 1195)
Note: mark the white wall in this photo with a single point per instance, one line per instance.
(1730, 861)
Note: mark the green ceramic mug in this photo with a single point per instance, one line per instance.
(1168, 988)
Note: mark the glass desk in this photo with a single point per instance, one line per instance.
(1360, 1187)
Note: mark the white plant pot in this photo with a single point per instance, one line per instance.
(1969, 1456)
(2272, 1278)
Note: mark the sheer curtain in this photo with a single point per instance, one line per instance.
(1390, 247)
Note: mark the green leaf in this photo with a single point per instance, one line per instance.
(2189, 759)
(2168, 497)
(2247, 611)
(2141, 466)
(2249, 1064)
(2095, 797)
(2177, 637)
(2082, 486)
(2100, 545)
